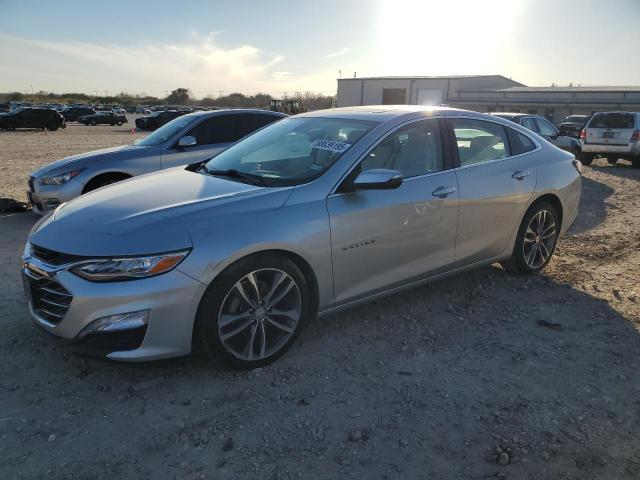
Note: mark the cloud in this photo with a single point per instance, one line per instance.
(336, 54)
(201, 64)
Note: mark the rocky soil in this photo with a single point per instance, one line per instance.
(485, 375)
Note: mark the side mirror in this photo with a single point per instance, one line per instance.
(377, 179)
(187, 141)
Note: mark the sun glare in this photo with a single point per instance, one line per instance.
(422, 37)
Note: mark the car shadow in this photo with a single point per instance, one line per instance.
(592, 210)
(623, 169)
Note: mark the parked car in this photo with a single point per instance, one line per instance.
(157, 119)
(103, 118)
(612, 135)
(187, 139)
(572, 125)
(72, 114)
(545, 129)
(143, 110)
(28, 117)
(119, 111)
(311, 214)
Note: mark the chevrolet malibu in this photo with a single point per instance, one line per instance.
(309, 215)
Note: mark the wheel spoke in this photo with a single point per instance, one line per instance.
(228, 318)
(252, 339)
(290, 314)
(284, 291)
(240, 328)
(254, 283)
(243, 295)
(280, 325)
(530, 235)
(528, 257)
(544, 251)
(280, 277)
(263, 340)
(549, 230)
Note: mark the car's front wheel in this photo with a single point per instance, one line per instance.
(254, 311)
(536, 240)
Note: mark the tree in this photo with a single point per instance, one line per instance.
(179, 96)
(16, 97)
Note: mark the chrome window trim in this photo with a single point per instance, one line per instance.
(383, 137)
(502, 159)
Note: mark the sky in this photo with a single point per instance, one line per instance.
(286, 46)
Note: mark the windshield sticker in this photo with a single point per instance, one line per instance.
(331, 146)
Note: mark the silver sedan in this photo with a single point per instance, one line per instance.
(186, 139)
(312, 214)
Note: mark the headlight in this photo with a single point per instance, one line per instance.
(112, 269)
(60, 179)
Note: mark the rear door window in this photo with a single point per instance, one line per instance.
(218, 129)
(519, 142)
(246, 123)
(479, 141)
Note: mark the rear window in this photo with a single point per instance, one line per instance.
(612, 120)
(519, 142)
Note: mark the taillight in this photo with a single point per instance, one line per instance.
(583, 134)
(635, 136)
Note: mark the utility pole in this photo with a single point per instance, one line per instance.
(220, 93)
(106, 93)
(339, 73)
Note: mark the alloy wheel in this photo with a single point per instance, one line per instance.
(259, 314)
(539, 239)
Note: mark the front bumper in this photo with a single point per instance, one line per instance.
(171, 299)
(48, 197)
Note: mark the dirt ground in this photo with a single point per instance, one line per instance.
(26, 150)
(485, 375)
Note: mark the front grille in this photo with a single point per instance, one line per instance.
(51, 257)
(31, 182)
(49, 299)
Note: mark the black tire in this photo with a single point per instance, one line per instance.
(112, 124)
(206, 330)
(518, 262)
(612, 160)
(586, 159)
(53, 127)
(119, 123)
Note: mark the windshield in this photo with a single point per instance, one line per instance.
(292, 151)
(165, 132)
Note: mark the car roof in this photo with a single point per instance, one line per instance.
(205, 113)
(382, 113)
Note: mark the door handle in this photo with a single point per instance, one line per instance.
(443, 192)
(521, 174)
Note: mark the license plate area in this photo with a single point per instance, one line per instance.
(608, 134)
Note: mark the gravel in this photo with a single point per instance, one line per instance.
(484, 375)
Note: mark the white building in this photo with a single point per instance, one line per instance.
(486, 93)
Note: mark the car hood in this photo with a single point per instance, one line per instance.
(149, 214)
(123, 151)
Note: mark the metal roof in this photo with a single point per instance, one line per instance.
(429, 77)
(631, 88)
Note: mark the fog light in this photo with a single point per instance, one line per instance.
(117, 323)
(50, 203)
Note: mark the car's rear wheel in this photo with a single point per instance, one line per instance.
(253, 312)
(586, 159)
(93, 123)
(119, 123)
(536, 240)
(612, 160)
(53, 127)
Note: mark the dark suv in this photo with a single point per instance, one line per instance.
(572, 125)
(157, 119)
(72, 114)
(27, 117)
